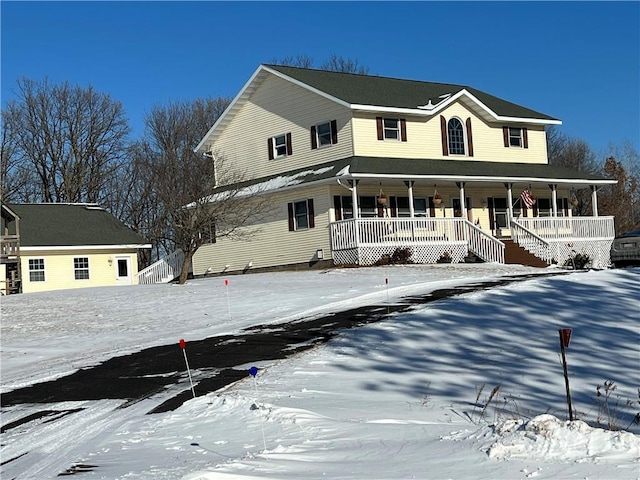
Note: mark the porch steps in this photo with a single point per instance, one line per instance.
(515, 254)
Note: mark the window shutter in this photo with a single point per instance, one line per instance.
(403, 130)
(492, 224)
(536, 212)
(270, 145)
(565, 206)
(311, 213)
(432, 208)
(394, 206)
(380, 210)
(291, 224)
(314, 138)
(337, 207)
(505, 136)
(525, 138)
(443, 133)
(289, 145)
(379, 127)
(334, 132)
(469, 137)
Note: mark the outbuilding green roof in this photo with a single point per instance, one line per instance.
(64, 225)
(395, 92)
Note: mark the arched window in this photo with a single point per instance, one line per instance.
(455, 136)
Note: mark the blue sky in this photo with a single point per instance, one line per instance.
(577, 61)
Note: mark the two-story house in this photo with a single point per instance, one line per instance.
(360, 167)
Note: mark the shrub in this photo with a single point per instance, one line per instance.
(444, 258)
(578, 261)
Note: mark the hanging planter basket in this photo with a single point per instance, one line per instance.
(437, 199)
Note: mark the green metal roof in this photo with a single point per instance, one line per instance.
(63, 224)
(394, 92)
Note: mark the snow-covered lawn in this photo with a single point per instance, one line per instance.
(403, 398)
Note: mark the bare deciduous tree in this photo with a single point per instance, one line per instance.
(335, 63)
(619, 199)
(67, 141)
(194, 193)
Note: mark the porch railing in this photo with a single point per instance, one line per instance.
(556, 239)
(429, 238)
(530, 241)
(164, 270)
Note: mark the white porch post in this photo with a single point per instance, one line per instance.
(509, 200)
(554, 199)
(463, 206)
(354, 198)
(594, 200)
(409, 184)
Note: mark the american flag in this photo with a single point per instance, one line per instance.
(528, 199)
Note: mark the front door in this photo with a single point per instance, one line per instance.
(123, 270)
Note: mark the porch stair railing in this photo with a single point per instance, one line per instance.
(483, 245)
(531, 242)
(164, 270)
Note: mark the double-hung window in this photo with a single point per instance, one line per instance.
(301, 215)
(280, 146)
(401, 206)
(516, 137)
(81, 268)
(392, 129)
(324, 134)
(36, 269)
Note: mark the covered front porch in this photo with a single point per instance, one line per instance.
(454, 221)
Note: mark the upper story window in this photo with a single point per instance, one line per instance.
(324, 134)
(515, 137)
(81, 268)
(391, 129)
(456, 136)
(280, 146)
(301, 215)
(36, 269)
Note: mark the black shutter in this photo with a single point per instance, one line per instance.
(492, 224)
(394, 206)
(505, 136)
(289, 145)
(443, 134)
(337, 207)
(403, 130)
(270, 145)
(469, 137)
(291, 224)
(334, 132)
(379, 128)
(525, 138)
(311, 213)
(314, 139)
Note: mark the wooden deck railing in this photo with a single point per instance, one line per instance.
(9, 246)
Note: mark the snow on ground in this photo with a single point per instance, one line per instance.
(403, 398)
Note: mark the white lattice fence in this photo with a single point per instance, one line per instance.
(423, 254)
(599, 251)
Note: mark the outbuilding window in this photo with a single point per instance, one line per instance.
(36, 269)
(81, 268)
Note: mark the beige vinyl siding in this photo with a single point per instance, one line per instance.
(424, 138)
(59, 269)
(273, 244)
(275, 108)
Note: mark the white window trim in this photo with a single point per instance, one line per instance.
(275, 146)
(318, 144)
(83, 269)
(397, 129)
(520, 137)
(295, 216)
(43, 270)
(464, 138)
